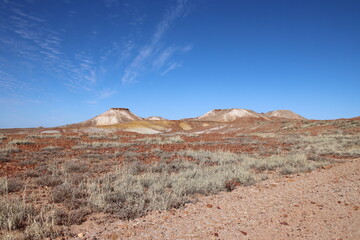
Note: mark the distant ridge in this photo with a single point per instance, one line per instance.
(124, 115)
(233, 114)
(155, 118)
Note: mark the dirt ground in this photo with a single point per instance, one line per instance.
(323, 204)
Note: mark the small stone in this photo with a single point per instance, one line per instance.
(216, 234)
(284, 223)
(356, 208)
(326, 167)
(209, 205)
(243, 232)
(81, 235)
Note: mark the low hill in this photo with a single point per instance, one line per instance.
(284, 114)
(228, 115)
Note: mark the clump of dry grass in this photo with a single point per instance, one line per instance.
(74, 166)
(49, 180)
(10, 185)
(43, 226)
(14, 214)
(9, 149)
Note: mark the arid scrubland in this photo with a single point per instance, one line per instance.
(52, 181)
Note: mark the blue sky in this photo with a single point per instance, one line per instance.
(66, 61)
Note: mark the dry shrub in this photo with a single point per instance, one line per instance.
(31, 174)
(28, 162)
(4, 159)
(74, 166)
(68, 218)
(49, 181)
(14, 214)
(61, 193)
(9, 149)
(43, 226)
(10, 185)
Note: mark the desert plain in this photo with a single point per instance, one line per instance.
(228, 174)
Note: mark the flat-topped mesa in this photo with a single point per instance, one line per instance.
(123, 109)
(113, 116)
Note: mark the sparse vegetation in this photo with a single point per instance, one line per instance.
(161, 140)
(94, 145)
(75, 174)
(46, 136)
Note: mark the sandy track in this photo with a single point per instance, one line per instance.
(323, 204)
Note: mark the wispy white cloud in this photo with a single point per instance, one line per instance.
(187, 48)
(32, 43)
(118, 53)
(103, 94)
(151, 54)
(129, 76)
(111, 3)
(9, 82)
(163, 57)
(37, 43)
(19, 101)
(170, 67)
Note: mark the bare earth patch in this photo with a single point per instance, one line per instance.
(323, 204)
